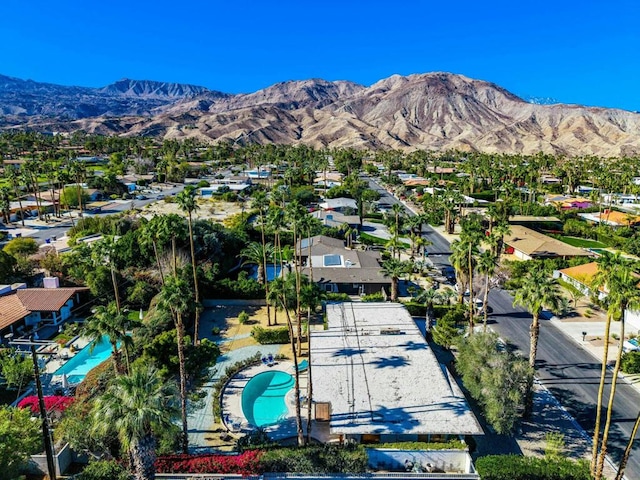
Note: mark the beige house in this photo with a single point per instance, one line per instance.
(526, 244)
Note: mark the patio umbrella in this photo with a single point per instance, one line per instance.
(65, 381)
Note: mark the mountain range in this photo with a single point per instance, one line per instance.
(422, 111)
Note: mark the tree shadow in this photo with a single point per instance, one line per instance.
(392, 362)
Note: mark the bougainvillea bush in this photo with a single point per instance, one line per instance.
(57, 403)
(247, 463)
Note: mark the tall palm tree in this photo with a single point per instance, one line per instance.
(135, 407)
(487, 266)
(107, 320)
(622, 294)
(295, 214)
(395, 269)
(537, 291)
(187, 202)
(174, 297)
(5, 204)
(472, 235)
(627, 451)
(459, 262)
(13, 178)
(261, 203)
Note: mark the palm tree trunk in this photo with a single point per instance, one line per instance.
(471, 298)
(612, 394)
(143, 457)
(195, 282)
(603, 375)
(264, 262)
(534, 333)
(485, 299)
(297, 375)
(155, 251)
(394, 289)
(184, 440)
(627, 451)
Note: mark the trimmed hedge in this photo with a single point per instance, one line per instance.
(269, 336)
(449, 445)
(337, 297)
(516, 467)
(416, 309)
(316, 459)
(630, 363)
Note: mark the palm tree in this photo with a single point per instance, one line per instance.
(187, 202)
(622, 294)
(459, 262)
(537, 291)
(261, 203)
(13, 178)
(395, 269)
(255, 253)
(486, 265)
(627, 450)
(174, 297)
(106, 320)
(5, 204)
(295, 213)
(134, 407)
(472, 235)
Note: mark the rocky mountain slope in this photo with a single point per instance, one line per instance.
(431, 111)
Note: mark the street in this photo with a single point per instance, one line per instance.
(564, 367)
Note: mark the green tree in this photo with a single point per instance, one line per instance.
(20, 436)
(136, 407)
(537, 291)
(487, 266)
(16, 370)
(21, 247)
(8, 265)
(395, 269)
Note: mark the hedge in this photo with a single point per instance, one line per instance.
(630, 362)
(270, 336)
(247, 463)
(316, 459)
(516, 467)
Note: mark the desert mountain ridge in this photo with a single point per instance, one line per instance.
(422, 111)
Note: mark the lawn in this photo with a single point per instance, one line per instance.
(373, 240)
(581, 242)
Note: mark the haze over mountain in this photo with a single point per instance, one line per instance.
(431, 111)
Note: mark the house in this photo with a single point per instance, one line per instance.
(567, 202)
(612, 218)
(336, 219)
(527, 244)
(582, 276)
(232, 183)
(376, 379)
(340, 269)
(22, 309)
(339, 204)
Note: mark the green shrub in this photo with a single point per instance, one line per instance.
(316, 459)
(416, 309)
(215, 331)
(337, 297)
(630, 362)
(104, 470)
(243, 317)
(452, 444)
(373, 297)
(516, 467)
(268, 336)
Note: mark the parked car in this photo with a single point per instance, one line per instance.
(141, 197)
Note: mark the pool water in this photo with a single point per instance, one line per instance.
(79, 365)
(263, 398)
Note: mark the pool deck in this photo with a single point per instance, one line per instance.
(55, 360)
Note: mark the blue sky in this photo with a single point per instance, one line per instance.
(584, 52)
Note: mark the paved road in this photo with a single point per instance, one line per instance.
(570, 372)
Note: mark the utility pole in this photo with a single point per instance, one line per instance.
(46, 434)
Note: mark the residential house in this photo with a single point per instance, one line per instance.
(340, 204)
(23, 309)
(612, 218)
(336, 219)
(527, 244)
(566, 202)
(376, 380)
(340, 269)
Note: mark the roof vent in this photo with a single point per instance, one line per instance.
(390, 331)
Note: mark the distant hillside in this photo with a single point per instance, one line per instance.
(430, 111)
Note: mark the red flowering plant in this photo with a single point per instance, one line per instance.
(56, 403)
(246, 463)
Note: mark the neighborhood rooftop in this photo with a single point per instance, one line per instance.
(380, 376)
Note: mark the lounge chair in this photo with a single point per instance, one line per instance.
(270, 360)
(303, 365)
(265, 361)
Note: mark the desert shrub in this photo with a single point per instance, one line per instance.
(243, 317)
(244, 287)
(104, 470)
(516, 467)
(630, 362)
(268, 336)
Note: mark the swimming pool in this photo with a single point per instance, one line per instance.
(263, 401)
(79, 365)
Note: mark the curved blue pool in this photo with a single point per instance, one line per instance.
(263, 398)
(86, 359)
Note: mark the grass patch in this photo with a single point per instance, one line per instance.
(373, 240)
(581, 242)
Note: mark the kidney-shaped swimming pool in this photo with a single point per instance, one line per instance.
(263, 398)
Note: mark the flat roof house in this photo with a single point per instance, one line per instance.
(376, 379)
(527, 244)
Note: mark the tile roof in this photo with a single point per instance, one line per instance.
(582, 273)
(22, 302)
(11, 310)
(536, 244)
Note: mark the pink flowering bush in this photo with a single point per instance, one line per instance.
(57, 403)
(246, 463)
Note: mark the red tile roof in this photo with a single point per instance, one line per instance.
(22, 302)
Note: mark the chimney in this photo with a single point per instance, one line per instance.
(51, 282)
